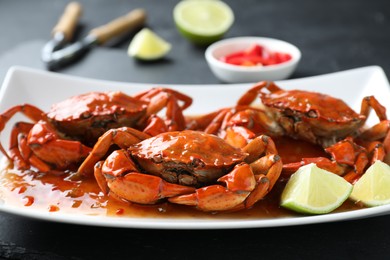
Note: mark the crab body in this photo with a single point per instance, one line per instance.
(187, 158)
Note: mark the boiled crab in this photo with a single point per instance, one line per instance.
(61, 138)
(86, 117)
(327, 121)
(189, 167)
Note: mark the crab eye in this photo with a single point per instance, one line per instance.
(288, 112)
(312, 114)
(86, 115)
(197, 163)
(158, 158)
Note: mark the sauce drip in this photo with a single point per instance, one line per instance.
(68, 193)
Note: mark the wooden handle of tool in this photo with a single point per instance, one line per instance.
(68, 20)
(121, 25)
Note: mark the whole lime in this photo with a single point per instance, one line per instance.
(203, 21)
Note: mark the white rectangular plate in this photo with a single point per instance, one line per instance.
(40, 88)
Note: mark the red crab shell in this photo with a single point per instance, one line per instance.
(186, 157)
(312, 116)
(86, 117)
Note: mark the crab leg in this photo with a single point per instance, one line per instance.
(32, 159)
(41, 141)
(344, 154)
(239, 125)
(20, 151)
(244, 185)
(19, 154)
(123, 137)
(201, 122)
(216, 124)
(32, 112)
(253, 92)
(322, 162)
(149, 94)
(377, 151)
(224, 126)
(28, 110)
(267, 168)
(46, 144)
(236, 136)
(239, 183)
(119, 175)
(378, 132)
(155, 126)
(159, 98)
(174, 114)
(33, 137)
(371, 102)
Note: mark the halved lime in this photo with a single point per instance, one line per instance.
(373, 188)
(312, 190)
(147, 45)
(203, 21)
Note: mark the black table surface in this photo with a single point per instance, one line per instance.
(332, 35)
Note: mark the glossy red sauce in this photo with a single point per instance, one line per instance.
(69, 194)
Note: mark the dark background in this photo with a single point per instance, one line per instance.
(332, 35)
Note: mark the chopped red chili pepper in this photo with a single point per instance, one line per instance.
(256, 55)
(255, 50)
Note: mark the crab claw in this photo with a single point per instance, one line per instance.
(239, 183)
(130, 185)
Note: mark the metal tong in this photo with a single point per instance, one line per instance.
(58, 53)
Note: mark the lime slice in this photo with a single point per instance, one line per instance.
(146, 45)
(373, 188)
(203, 21)
(313, 190)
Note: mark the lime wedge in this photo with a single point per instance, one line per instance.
(373, 188)
(203, 21)
(313, 190)
(147, 45)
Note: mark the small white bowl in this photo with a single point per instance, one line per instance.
(242, 74)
